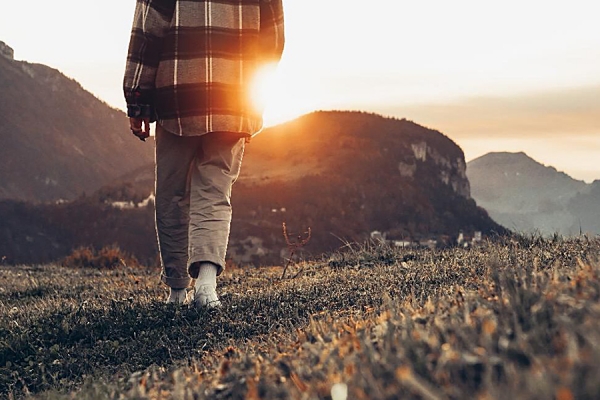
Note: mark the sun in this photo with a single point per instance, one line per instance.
(271, 94)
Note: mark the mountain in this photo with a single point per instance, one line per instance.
(58, 140)
(529, 197)
(585, 208)
(342, 174)
(346, 174)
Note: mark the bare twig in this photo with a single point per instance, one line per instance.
(294, 246)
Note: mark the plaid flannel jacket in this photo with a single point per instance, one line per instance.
(191, 63)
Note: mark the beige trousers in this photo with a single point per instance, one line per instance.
(194, 176)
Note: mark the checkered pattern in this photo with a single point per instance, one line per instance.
(193, 62)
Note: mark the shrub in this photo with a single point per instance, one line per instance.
(110, 257)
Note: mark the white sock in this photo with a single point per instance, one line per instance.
(207, 275)
(177, 296)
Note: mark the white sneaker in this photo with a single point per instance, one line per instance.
(205, 296)
(177, 296)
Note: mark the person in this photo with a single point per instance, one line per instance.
(190, 68)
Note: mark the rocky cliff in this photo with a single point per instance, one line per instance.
(6, 51)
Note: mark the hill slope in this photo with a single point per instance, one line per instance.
(346, 174)
(343, 174)
(516, 319)
(58, 140)
(522, 194)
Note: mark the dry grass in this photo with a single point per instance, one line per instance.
(106, 258)
(518, 318)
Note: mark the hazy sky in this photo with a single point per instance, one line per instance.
(494, 76)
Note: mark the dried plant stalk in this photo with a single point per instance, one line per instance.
(294, 246)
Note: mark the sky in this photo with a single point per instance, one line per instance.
(516, 75)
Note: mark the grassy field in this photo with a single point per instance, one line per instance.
(514, 319)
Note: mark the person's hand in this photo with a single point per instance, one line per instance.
(140, 127)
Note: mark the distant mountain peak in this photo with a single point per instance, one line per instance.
(504, 157)
(517, 163)
(527, 196)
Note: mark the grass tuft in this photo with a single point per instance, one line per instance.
(107, 258)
